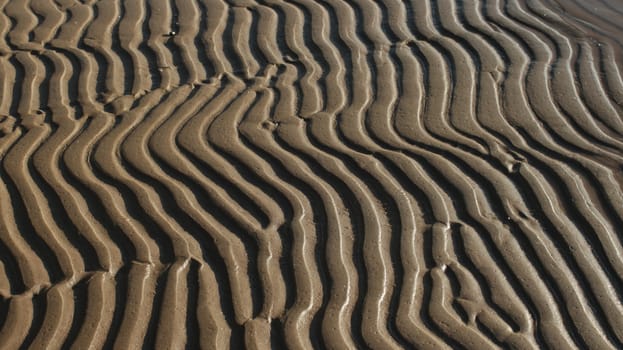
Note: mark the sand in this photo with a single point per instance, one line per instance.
(272, 174)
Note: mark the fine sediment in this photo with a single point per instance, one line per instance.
(311, 174)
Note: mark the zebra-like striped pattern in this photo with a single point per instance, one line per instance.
(431, 174)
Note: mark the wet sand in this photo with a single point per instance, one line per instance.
(311, 174)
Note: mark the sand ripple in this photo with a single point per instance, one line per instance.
(311, 174)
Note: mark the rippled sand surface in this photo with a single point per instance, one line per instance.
(385, 174)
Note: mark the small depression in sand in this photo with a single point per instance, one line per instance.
(272, 174)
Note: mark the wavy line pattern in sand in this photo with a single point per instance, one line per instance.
(311, 174)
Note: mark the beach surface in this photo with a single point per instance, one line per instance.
(298, 174)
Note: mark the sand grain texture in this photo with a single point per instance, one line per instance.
(384, 174)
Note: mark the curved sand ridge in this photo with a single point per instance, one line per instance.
(311, 174)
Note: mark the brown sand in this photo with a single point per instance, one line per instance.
(431, 174)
